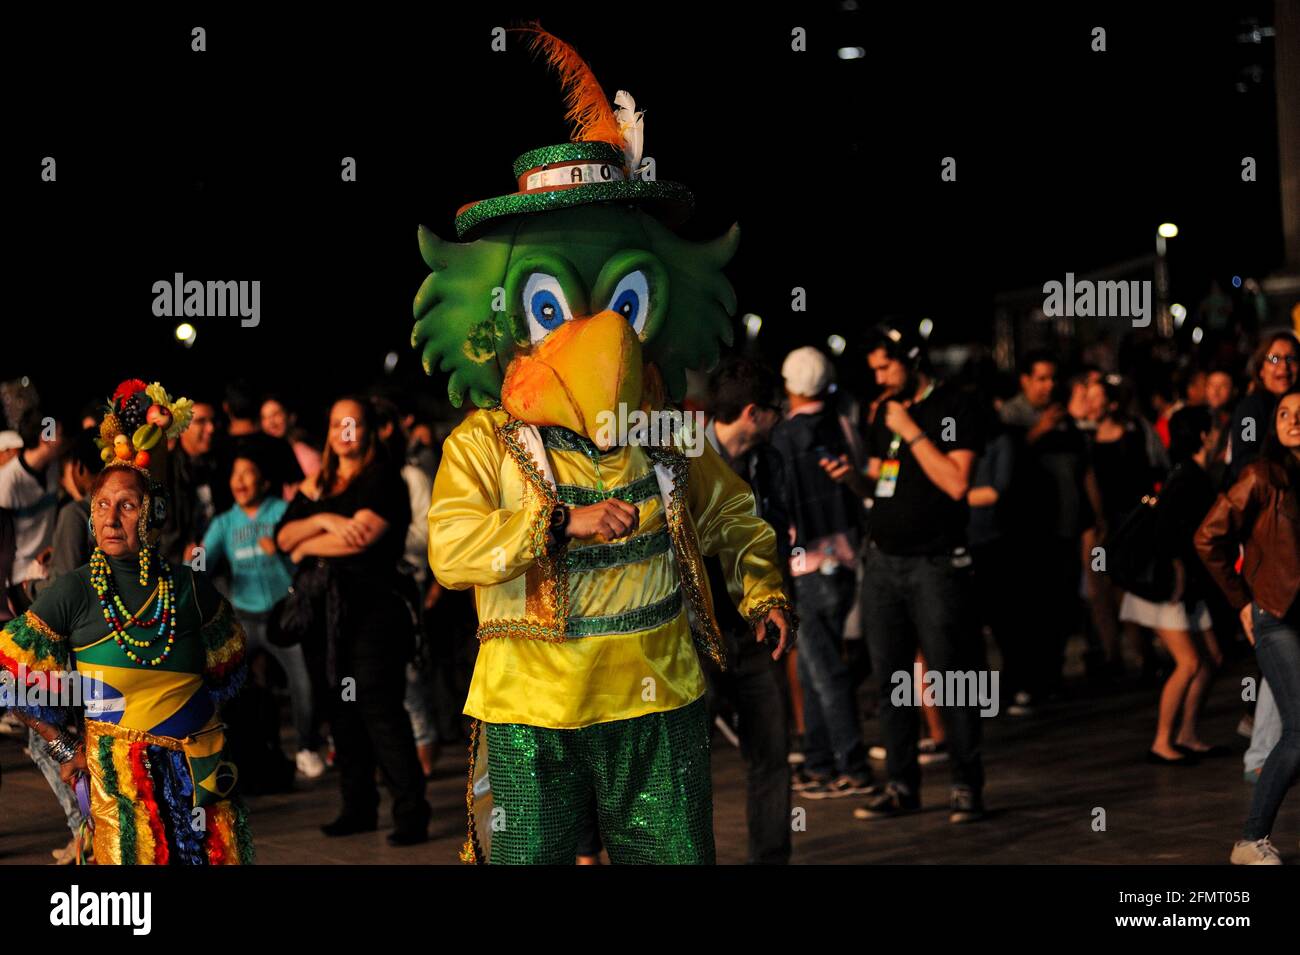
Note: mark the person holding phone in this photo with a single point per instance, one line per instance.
(826, 519)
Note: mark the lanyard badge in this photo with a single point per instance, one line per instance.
(888, 480)
(887, 483)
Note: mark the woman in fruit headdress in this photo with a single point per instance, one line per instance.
(584, 552)
(140, 656)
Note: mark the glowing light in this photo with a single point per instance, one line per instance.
(1179, 313)
(1167, 230)
(1197, 335)
(852, 53)
(752, 324)
(925, 328)
(186, 334)
(1236, 281)
(836, 344)
(390, 362)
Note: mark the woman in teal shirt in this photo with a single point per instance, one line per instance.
(243, 538)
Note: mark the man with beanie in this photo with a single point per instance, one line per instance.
(826, 517)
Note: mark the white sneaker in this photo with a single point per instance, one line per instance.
(1259, 852)
(309, 763)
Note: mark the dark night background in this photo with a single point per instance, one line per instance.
(225, 165)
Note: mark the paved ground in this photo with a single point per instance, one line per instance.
(1047, 774)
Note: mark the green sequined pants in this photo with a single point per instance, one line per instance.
(649, 778)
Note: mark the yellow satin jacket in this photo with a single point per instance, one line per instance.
(600, 630)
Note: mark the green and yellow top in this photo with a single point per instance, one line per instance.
(65, 631)
(600, 631)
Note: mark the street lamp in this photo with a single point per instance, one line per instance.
(1164, 320)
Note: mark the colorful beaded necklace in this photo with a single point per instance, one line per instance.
(121, 620)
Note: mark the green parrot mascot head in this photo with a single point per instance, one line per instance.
(572, 296)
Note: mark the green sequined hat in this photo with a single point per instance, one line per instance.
(602, 163)
(574, 174)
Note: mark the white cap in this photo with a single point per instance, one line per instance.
(807, 372)
(10, 441)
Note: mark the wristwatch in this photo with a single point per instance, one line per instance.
(555, 537)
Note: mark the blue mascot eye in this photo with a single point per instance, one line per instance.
(628, 304)
(545, 308)
(631, 299)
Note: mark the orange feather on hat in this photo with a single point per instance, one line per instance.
(588, 107)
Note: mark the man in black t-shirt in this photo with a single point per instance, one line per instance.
(921, 447)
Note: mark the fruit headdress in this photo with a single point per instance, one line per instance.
(138, 422)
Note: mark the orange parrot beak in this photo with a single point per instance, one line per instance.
(577, 377)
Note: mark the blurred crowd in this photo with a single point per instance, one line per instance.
(1065, 527)
(1061, 521)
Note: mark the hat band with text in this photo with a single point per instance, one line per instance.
(570, 174)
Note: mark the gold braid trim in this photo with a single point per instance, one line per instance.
(686, 549)
(520, 630)
(554, 574)
(471, 852)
